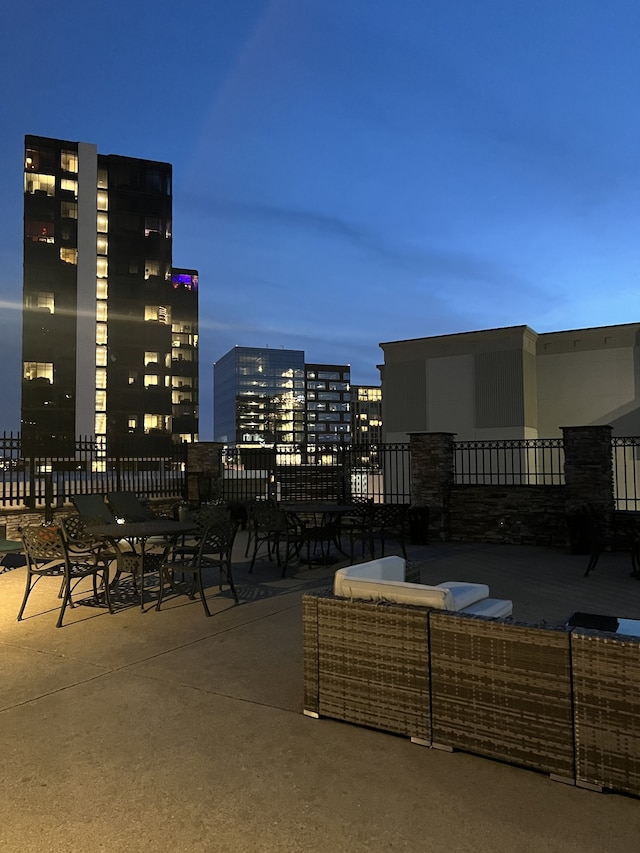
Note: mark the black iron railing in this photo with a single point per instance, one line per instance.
(626, 472)
(526, 462)
(36, 481)
(379, 472)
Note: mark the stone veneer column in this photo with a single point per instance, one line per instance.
(204, 470)
(588, 469)
(432, 474)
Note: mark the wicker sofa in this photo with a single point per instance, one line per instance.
(558, 700)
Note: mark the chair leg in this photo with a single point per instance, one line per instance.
(65, 598)
(198, 579)
(27, 593)
(229, 577)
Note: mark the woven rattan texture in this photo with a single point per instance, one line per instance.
(503, 690)
(606, 679)
(372, 664)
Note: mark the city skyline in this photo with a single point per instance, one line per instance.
(347, 174)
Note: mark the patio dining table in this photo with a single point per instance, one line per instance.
(319, 524)
(138, 535)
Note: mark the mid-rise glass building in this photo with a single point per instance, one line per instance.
(265, 397)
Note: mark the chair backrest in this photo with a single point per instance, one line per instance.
(93, 507)
(268, 518)
(390, 516)
(218, 538)
(43, 543)
(127, 505)
(207, 515)
(74, 528)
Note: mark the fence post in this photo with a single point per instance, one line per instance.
(588, 474)
(204, 470)
(432, 474)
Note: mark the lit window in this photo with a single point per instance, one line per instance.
(157, 313)
(101, 401)
(133, 377)
(150, 358)
(40, 302)
(42, 370)
(69, 209)
(102, 289)
(152, 225)
(151, 268)
(69, 161)
(69, 256)
(31, 158)
(103, 179)
(102, 245)
(102, 267)
(102, 223)
(100, 423)
(156, 422)
(101, 312)
(101, 377)
(150, 379)
(101, 356)
(69, 185)
(103, 200)
(40, 232)
(101, 333)
(132, 424)
(34, 182)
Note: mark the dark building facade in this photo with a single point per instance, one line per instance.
(271, 397)
(366, 414)
(110, 329)
(328, 403)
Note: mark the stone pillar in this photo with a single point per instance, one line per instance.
(588, 474)
(432, 475)
(204, 471)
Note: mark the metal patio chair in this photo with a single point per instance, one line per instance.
(214, 551)
(49, 557)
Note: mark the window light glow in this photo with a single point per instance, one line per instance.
(34, 182)
(38, 370)
(69, 185)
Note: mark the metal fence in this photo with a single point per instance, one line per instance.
(626, 468)
(37, 481)
(525, 462)
(380, 472)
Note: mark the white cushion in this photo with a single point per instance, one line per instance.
(385, 568)
(496, 608)
(464, 594)
(383, 580)
(396, 592)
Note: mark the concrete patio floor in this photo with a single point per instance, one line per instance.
(170, 731)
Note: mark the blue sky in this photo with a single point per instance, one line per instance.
(349, 172)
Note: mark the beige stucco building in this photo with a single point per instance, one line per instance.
(512, 382)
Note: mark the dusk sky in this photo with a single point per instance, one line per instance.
(349, 172)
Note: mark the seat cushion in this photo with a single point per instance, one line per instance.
(463, 594)
(395, 592)
(495, 608)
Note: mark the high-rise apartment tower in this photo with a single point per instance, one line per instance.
(110, 329)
